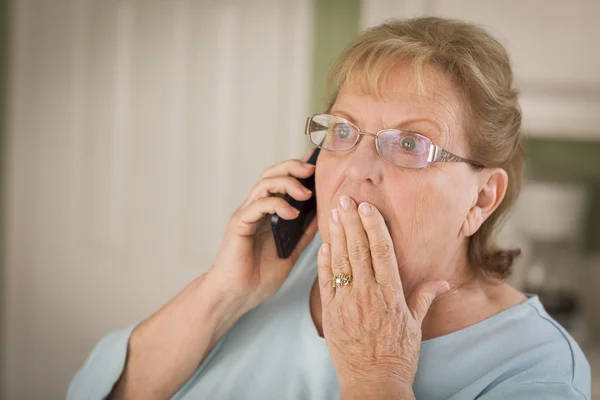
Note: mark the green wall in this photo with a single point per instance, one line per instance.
(570, 161)
(336, 24)
(563, 160)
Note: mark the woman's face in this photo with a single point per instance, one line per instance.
(424, 209)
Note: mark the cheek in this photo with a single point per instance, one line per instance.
(425, 210)
(441, 207)
(456, 197)
(411, 203)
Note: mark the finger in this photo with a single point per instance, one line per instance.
(297, 168)
(385, 265)
(357, 241)
(294, 168)
(422, 297)
(246, 219)
(279, 184)
(325, 274)
(340, 262)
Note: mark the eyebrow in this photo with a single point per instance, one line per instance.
(399, 126)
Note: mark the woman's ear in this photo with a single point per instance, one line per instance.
(492, 188)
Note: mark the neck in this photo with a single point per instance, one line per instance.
(454, 310)
(472, 298)
(468, 303)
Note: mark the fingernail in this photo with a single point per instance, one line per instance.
(306, 190)
(365, 208)
(325, 248)
(335, 217)
(443, 289)
(308, 166)
(345, 202)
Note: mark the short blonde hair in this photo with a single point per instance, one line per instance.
(480, 68)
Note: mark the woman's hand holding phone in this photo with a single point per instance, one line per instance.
(166, 349)
(247, 265)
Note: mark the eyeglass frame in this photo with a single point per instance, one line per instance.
(436, 153)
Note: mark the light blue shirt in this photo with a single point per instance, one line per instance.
(275, 352)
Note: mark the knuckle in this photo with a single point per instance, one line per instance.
(258, 189)
(366, 301)
(382, 250)
(359, 251)
(264, 182)
(264, 179)
(263, 203)
(271, 182)
(341, 261)
(289, 182)
(289, 164)
(324, 284)
(273, 202)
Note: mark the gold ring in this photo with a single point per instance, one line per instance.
(341, 280)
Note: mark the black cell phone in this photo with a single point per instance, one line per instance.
(287, 233)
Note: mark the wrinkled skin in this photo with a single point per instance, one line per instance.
(371, 331)
(411, 246)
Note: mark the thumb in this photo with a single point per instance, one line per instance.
(423, 296)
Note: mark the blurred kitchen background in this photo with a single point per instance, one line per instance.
(131, 129)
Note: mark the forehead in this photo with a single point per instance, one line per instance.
(403, 98)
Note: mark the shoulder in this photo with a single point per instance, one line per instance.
(518, 348)
(538, 354)
(548, 349)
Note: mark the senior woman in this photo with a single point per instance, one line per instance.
(401, 293)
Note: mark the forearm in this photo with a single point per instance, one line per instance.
(166, 349)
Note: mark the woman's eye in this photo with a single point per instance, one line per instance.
(409, 144)
(342, 131)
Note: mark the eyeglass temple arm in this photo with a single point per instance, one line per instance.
(437, 154)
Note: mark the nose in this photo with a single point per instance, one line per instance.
(364, 164)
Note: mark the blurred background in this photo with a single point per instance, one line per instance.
(131, 129)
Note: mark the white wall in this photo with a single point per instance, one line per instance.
(135, 129)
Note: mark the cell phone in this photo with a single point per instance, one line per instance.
(287, 233)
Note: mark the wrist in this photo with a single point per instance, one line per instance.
(377, 390)
(224, 301)
(376, 386)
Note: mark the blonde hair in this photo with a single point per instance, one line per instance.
(480, 68)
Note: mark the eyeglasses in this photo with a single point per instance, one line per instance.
(400, 148)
